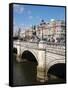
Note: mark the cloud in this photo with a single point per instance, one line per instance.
(22, 24)
(21, 9)
(29, 12)
(18, 9)
(30, 17)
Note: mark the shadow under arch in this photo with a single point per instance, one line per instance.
(14, 50)
(58, 70)
(29, 56)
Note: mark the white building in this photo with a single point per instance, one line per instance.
(53, 31)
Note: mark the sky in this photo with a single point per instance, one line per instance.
(25, 16)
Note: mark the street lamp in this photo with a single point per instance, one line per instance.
(41, 24)
(19, 33)
(42, 31)
(34, 33)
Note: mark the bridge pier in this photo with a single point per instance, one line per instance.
(18, 58)
(42, 74)
(41, 68)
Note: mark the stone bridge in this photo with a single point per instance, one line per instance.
(45, 55)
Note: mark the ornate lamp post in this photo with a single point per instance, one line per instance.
(19, 33)
(34, 30)
(41, 68)
(41, 26)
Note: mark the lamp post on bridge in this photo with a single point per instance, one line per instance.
(41, 68)
(34, 30)
(42, 27)
(19, 31)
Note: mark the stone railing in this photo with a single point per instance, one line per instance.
(29, 44)
(50, 47)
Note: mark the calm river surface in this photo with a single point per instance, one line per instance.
(25, 73)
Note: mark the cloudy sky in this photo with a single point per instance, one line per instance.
(28, 15)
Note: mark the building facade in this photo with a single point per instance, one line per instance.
(53, 31)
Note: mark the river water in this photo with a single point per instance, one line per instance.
(25, 73)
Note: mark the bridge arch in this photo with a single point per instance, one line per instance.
(55, 61)
(58, 69)
(30, 56)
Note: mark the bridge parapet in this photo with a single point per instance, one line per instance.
(59, 49)
(29, 44)
(26, 44)
(56, 51)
